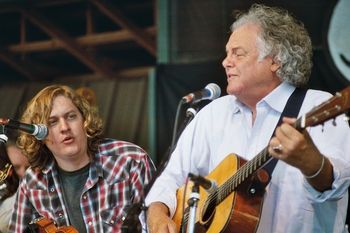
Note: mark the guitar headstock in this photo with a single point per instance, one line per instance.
(329, 109)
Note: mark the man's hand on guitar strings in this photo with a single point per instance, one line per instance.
(295, 148)
(298, 150)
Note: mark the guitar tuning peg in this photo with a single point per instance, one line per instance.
(334, 123)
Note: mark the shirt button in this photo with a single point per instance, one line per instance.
(111, 222)
(60, 215)
(52, 190)
(84, 197)
(90, 223)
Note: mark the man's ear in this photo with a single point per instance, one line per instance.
(274, 65)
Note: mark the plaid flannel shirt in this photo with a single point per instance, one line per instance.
(117, 176)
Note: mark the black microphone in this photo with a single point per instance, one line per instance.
(208, 185)
(39, 131)
(210, 92)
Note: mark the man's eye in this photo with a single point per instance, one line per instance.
(239, 54)
(51, 123)
(72, 116)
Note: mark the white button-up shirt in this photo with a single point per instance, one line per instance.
(291, 205)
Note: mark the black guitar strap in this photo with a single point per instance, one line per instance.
(291, 109)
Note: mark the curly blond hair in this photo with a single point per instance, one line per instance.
(284, 38)
(38, 112)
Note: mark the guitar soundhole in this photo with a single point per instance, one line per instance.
(208, 211)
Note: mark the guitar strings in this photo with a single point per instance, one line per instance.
(239, 177)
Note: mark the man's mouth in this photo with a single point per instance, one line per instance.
(231, 76)
(68, 140)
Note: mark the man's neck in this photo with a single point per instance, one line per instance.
(73, 164)
(252, 101)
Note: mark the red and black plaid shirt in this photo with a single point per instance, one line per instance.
(117, 177)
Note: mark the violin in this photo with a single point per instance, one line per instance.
(44, 225)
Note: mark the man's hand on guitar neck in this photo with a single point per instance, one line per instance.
(158, 219)
(298, 150)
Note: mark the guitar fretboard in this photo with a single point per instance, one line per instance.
(241, 175)
(247, 170)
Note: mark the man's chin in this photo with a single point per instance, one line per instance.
(69, 153)
(232, 90)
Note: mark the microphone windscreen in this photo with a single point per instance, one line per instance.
(214, 89)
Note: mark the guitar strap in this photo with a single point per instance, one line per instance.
(291, 109)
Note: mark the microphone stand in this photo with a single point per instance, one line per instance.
(7, 165)
(193, 204)
(131, 223)
(3, 137)
(190, 114)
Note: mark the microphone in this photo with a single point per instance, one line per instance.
(39, 131)
(208, 185)
(210, 92)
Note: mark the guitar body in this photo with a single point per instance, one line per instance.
(239, 212)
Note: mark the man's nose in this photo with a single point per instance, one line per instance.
(64, 125)
(227, 62)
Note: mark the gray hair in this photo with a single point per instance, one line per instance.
(282, 37)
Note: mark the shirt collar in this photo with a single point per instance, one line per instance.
(48, 167)
(236, 104)
(278, 98)
(96, 167)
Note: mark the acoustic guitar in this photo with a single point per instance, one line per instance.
(236, 203)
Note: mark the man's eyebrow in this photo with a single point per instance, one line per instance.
(235, 48)
(239, 48)
(70, 111)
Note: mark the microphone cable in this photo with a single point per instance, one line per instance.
(190, 114)
(176, 122)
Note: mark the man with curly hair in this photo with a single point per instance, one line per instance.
(76, 178)
(268, 57)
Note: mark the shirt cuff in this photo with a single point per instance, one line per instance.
(341, 174)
